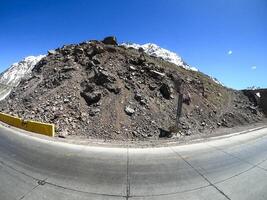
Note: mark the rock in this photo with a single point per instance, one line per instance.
(143, 102)
(187, 99)
(78, 51)
(94, 50)
(67, 68)
(51, 52)
(165, 90)
(110, 40)
(95, 60)
(102, 77)
(132, 68)
(164, 133)
(203, 124)
(157, 74)
(138, 96)
(152, 86)
(253, 109)
(113, 88)
(66, 100)
(129, 110)
(91, 97)
(94, 111)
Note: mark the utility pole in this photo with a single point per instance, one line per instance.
(180, 90)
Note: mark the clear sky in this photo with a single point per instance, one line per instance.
(223, 38)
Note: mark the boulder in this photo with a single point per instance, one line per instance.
(164, 133)
(110, 40)
(78, 51)
(91, 97)
(165, 90)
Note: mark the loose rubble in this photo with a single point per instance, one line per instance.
(101, 90)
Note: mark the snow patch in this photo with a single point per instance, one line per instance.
(258, 94)
(13, 75)
(156, 51)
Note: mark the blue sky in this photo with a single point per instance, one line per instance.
(223, 38)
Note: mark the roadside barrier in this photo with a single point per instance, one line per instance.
(28, 125)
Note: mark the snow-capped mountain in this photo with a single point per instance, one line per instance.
(156, 51)
(13, 75)
(17, 71)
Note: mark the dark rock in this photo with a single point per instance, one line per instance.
(187, 99)
(110, 40)
(113, 88)
(91, 97)
(78, 51)
(102, 77)
(138, 96)
(164, 133)
(137, 61)
(165, 90)
(96, 61)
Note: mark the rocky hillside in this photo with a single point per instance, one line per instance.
(102, 90)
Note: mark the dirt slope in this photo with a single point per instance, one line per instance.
(106, 91)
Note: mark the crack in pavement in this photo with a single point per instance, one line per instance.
(39, 182)
(127, 176)
(243, 160)
(18, 171)
(202, 175)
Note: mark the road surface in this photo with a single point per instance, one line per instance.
(34, 168)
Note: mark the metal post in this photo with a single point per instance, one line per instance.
(179, 108)
(180, 91)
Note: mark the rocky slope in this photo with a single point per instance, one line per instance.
(107, 91)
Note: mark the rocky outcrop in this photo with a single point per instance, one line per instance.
(258, 97)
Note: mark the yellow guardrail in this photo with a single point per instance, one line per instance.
(32, 126)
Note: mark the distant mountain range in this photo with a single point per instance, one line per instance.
(17, 71)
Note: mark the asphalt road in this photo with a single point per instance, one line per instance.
(224, 168)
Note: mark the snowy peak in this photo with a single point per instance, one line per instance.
(156, 51)
(13, 75)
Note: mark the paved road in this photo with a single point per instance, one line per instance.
(226, 168)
